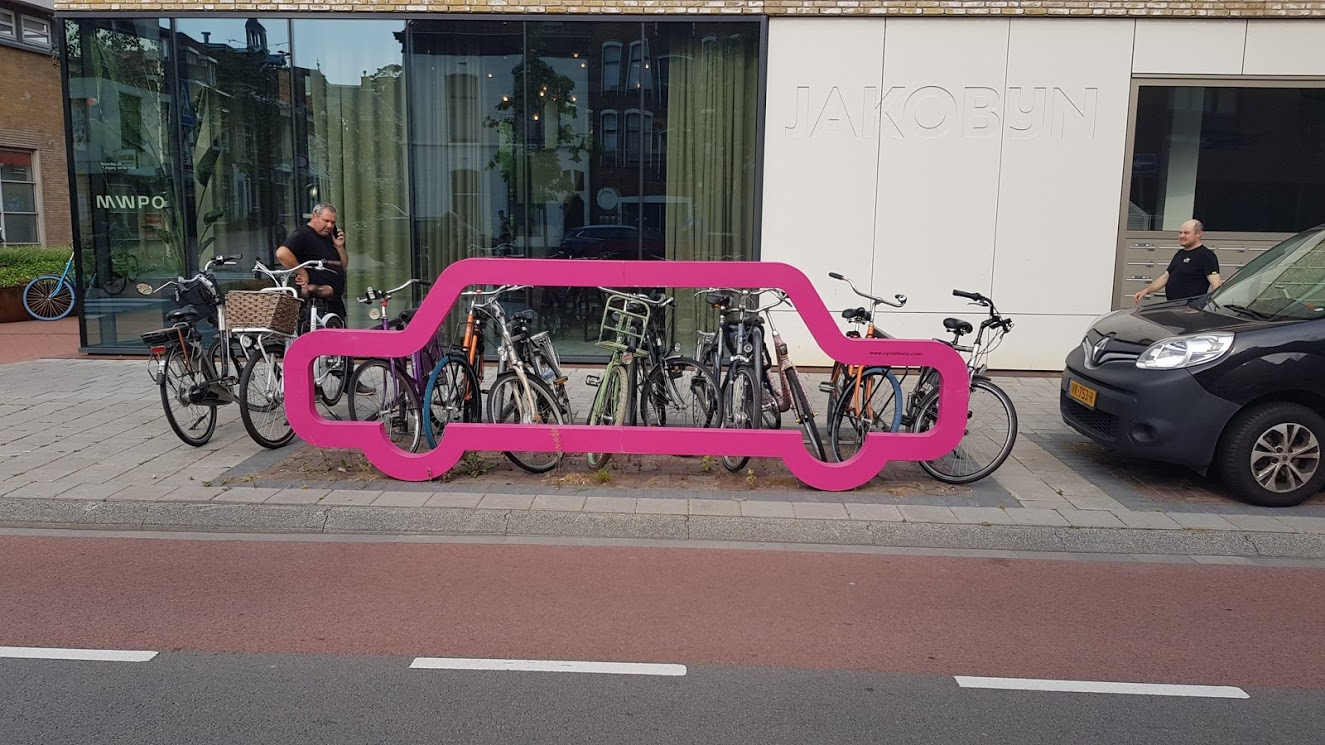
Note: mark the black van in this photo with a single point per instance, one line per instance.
(1232, 382)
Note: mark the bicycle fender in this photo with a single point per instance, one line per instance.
(371, 437)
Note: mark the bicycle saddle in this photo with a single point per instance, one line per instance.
(957, 326)
(856, 314)
(716, 300)
(187, 314)
(525, 315)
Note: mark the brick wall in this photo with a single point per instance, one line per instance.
(1113, 8)
(32, 118)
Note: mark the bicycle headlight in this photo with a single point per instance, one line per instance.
(1185, 351)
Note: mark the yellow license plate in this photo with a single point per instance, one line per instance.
(1081, 393)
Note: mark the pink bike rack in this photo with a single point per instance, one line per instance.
(372, 439)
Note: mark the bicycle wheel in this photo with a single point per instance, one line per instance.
(382, 392)
(877, 408)
(452, 395)
(48, 297)
(739, 404)
(609, 408)
(192, 422)
(801, 404)
(680, 392)
(332, 373)
(991, 431)
(507, 404)
(219, 365)
(262, 398)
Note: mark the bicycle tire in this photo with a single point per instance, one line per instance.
(743, 376)
(615, 380)
(544, 399)
(407, 406)
(328, 395)
(653, 416)
(171, 391)
(929, 414)
(274, 403)
(471, 407)
(840, 406)
(237, 358)
(49, 297)
(803, 411)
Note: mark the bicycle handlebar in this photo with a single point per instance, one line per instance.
(898, 300)
(283, 275)
(641, 297)
(370, 295)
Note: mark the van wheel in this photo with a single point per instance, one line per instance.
(1270, 454)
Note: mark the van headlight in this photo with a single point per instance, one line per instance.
(1185, 351)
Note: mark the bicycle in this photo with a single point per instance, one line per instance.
(396, 391)
(330, 375)
(270, 318)
(844, 375)
(645, 380)
(196, 381)
(529, 387)
(860, 412)
(51, 297)
(747, 386)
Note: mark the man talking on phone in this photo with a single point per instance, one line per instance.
(321, 240)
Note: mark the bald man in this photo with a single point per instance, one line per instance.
(1193, 272)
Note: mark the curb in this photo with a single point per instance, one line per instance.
(444, 521)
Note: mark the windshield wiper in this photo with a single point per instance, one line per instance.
(1249, 311)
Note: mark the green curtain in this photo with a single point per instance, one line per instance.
(711, 112)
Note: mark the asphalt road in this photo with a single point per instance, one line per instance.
(293, 642)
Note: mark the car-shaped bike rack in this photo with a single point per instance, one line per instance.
(787, 444)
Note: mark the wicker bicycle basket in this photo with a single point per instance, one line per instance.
(625, 322)
(273, 311)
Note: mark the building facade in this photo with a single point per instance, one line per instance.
(1042, 153)
(34, 182)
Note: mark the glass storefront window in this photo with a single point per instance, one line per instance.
(349, 85)
(1239, 159)
(18, 198)
(125, 164)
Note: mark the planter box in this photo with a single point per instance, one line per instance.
(11, 305)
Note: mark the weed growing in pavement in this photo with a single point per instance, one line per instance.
(706, 464)
(603, 475)
(472, 465)
(750, 477)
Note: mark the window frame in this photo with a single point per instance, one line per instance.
(612, 157)
(36, 212)
(26, 38)
(13, 24)
(614, 84)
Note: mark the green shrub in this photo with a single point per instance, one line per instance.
(21, 264)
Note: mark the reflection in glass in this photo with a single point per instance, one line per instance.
(125, 165)
(235, 126)
(1238, 159)
(350, 95)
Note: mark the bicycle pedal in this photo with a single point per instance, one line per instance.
(593, 380)
(561, 381)
(825, 387)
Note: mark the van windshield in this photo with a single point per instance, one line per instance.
(1285, 283)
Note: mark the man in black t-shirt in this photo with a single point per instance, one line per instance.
(1194, 270)
(319, 239)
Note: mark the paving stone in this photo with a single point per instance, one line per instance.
(1094, 503)
(561, 502)
(1091, 519)
(714, 507)
(761, 508)
(1046, 504)
(13, 488)
(609, 504)
(402, 499)
(657, 506)
(193, 493)
(453, 499)
(1306, 524)
(1022, 516)
(349, 496)
(820, 510)
(141, 493)
(981, 515)
(1259, 523)
(90, 492)
(246, 495)
(914, 513)
(290, 496)
(506, 501)
(1148, 520)
(1201, 521)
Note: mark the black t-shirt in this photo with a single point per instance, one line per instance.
(307, 245)
(1189, 273)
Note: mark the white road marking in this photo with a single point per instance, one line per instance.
(92, 655)
(547, 666)
(1093, 686)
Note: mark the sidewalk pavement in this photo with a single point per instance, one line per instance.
(84, 444)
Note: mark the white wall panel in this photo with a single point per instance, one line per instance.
(940, 126)
(1284, 48)
(821, 146)
(1188, 47)
(1061, 175)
